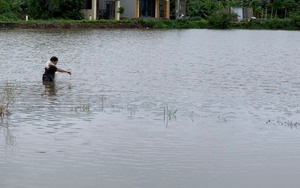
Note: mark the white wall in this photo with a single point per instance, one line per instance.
(238, 11)
(129, 6)
(91, 12)
(87, 13)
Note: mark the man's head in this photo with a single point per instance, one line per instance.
(54, 59)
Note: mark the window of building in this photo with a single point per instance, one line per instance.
(87, 4)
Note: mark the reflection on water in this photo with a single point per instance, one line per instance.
(7, 100)
(9, 139)
(290, 124)
(151, 108)
(169, 114)
(50, 88)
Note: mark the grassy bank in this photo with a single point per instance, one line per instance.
(278, 24)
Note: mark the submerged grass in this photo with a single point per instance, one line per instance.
(287, 123)
(7, 100)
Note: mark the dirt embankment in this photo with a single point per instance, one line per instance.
(68, 25)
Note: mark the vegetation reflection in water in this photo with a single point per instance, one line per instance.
(7, 100)
(9, 94)
(286, 123)
(9, 138)
(167, 112)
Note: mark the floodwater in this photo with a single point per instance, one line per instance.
(150, 109)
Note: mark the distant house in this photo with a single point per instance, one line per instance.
(242, 13)
(146, 8)
(90, 9)
(106, 9)
(180, 8)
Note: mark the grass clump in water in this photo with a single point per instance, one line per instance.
(7, 100)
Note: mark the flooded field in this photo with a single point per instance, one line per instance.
(150, 109)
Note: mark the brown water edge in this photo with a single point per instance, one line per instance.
(70, 25)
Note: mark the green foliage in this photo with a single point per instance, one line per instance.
(296, 21)
(4, 7)
(162, 25)
(274, 24)
(48, 9)
(121, 10)
(252, 24)
(200, 8)
(10, 9)
(199, 24)
(70, 9)
(279, 24)
(290, 24)
(169, 24)
(165, 24)
(220, 20)
(261, 8)
(147, 23)
(182, 24)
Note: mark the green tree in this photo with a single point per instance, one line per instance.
(288, 6)
(70, 9)
(220, 20)
(48, 9)
(203, 8)
(11, 9)
(257, 8)
(195, 8)
(4, 7)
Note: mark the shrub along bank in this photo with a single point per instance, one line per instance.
(213, 22)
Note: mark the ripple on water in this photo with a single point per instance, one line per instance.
(153, 108)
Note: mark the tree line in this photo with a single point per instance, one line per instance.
(198, 9)
(261, 8)
(41, 9)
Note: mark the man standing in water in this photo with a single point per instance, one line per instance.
(51, 68)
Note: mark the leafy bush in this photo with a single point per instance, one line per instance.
(147, 23)
(48, 9)
(183, 23)
(296, 21)
(220, 20)
(4, 7)
(199, 24)
(253, 24)
(121, 10)
(169, 24)
(10, 9)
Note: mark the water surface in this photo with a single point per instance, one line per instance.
(151, 108)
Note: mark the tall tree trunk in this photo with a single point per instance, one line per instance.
(285, 13)
(272, 12)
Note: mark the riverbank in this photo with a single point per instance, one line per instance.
(66, 25)
(270, 24)
(105, 24)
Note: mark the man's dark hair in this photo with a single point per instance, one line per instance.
(53, 58)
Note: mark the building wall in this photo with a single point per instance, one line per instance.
(180, 7)
(102, 4)
(87, 13)
(183, 7)
(243, 13)
(238, 11)
(129, 8)
(90, 11)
